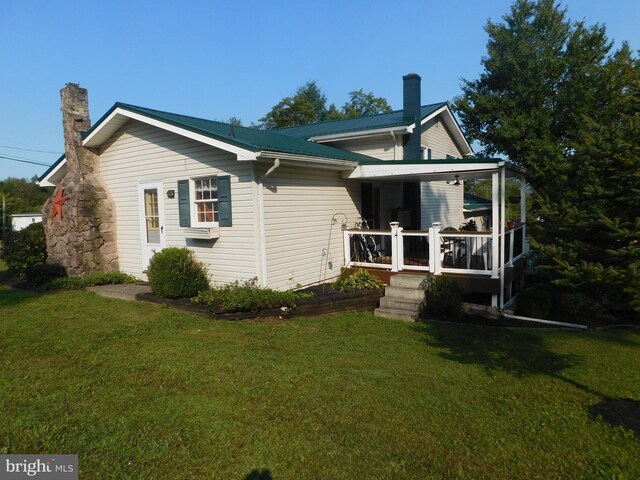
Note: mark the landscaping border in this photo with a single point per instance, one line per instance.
(332, 303)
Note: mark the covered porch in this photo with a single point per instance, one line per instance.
(490, 260)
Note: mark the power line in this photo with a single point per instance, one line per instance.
(13, 159)
(30, 149)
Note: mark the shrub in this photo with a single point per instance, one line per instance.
(359, 280)
(444, 297)
(535, 302)
(43, 273)
(246, 297)
(78, 282)
(175, 273)
(24, 248)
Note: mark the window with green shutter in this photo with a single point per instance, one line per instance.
(184, 206)
(205, 202)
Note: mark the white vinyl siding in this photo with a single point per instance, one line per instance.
(381, 147)
(299, 204)
(140, 153)
(441, 202)
(436, 136)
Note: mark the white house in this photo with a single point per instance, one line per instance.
(281, 205)
(23, 220)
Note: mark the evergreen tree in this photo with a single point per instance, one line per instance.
(542, 75)
(557, 100)
(591, 240)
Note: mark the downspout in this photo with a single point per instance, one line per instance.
(263, 237)
(553, 323)
(395, 144)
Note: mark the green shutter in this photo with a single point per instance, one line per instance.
(224, 201)
(184, 210)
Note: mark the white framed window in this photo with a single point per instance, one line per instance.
(205, 201)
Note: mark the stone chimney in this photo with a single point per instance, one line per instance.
(79, 219)
(412, 113)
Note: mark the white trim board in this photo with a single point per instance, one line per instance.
(105, 129)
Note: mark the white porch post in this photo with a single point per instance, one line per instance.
(434, 246)
(400, 249)
(502, 239)
(347, 247)
(394, 246)
(495, 225)
(523, 213)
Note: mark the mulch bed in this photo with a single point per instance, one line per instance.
(325, 301)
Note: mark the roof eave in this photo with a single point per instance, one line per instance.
(433, 170)
(45, 179)
(452, 124)
(118, 116)
(359, 134)
(332, 163)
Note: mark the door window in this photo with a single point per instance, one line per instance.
(152, 215)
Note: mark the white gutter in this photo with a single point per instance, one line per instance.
(356, 134)
(263, 237)
(316, 161)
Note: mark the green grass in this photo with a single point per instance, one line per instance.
(142, 391)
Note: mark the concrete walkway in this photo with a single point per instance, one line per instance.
(123, 292)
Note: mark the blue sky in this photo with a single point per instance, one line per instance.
(217, 59)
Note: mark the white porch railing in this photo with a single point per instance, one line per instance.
(432, 250)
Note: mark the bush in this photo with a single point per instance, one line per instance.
(444, 297)
(246, 297)
(175, 273)
(535, 302)
(91, 280)
(24, 248)
(359, 280)
(43, 273)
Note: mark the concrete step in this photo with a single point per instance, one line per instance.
(402, 293)
(407, 305)
(395, 314)
(409, 281)
(123, 292)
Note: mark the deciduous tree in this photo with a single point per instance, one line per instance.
(309, 105)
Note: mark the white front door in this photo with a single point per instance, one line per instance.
(151, 220)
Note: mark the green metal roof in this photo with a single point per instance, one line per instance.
(252, 139)
(372, 122)
(474, 202)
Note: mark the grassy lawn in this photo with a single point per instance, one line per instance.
(141, 391)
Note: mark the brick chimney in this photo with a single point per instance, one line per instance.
(412, 113)
(79, 219)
